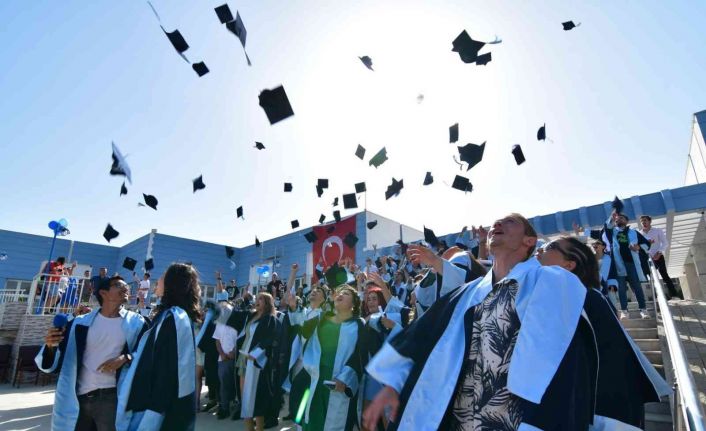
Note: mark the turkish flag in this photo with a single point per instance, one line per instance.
(330, 246)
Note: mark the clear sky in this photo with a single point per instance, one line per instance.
(617, 94)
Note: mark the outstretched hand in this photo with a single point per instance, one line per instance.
(387, 397)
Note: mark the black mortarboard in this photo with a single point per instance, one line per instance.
(200, 68)
(319, 191)
(517, 152)
(350, 201)
(311, 237)
(453, 133)
(332, 228)
(275, 104)
(568, 25)
(239, 212)
(237, 27)
(372, 224)
(466, 47)
(322, 218)
(428, 179)
(360, 152)
(379, 158)
(177, 40)
(542, 133)
(618, 205)
(120, 166)
(123, 189)
(230, 251)
(336, 216)
(462, 183)
(149, 264)
(129, 263)
(257, 242)
(287, 187)
(336, 276)
(430, 237)
(259, 146)
(394, 188)
(295, 224)
(367, 61)
(110, 233)
(335, 201)
(484, 59)
(322, 183)
(224, 14)
(350, 240)
(360, 188)
(150, 201)
(198, 183)
(471, 154)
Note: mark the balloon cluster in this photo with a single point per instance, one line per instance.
(264, 271)
(59, 227)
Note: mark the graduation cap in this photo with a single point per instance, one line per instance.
(239, 212)
(319, 191)
(350, 201)
(453, 133)
(379, 158)
(468, 48)
(177, 41)
(428, 179)
(110, 233)
(295, 224)
(149, 264)
(322, 218)
(123, 189)
(311, 237)
(200, 68)
(568, 25)
(462, 183)
(150, 201)
(129, 263)
(484, 59)
(517, 152)
(367, 61)
(372, 224)
(394, 188)
(360, 188)
(618, 205)
(276, 104)
(336, 276)
(430, 237)
(335, 201)
(337, 217)
(237, 27)
(259, 146)
(360, 152)
(257, 242)
(322, 183)
(287, 187)
(198, 183)
(230, 251)
(471, 154)
(542, 133)
(224, 14)
(350, 240)
(120, 166)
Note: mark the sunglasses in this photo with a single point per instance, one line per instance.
(554, 245)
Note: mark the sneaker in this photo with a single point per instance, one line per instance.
(623, 314)
(644, 315)
(211, 404)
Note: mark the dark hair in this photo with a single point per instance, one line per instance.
(269, 303)
(356, 299)
(647, 217)
(181, 289)
(586, 268)
(105, 285)
(381, 300)
(61, 259)
(147, 274)
(599, 241)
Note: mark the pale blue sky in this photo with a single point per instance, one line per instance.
(617, 94)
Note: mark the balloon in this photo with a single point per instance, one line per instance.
(3, 255)
(265, 268)
(63, 222)
(266, 274)
(53, 225)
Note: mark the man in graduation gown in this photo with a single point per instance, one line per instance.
(510, 351)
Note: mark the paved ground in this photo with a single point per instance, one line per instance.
(29, 408)
(690, 320)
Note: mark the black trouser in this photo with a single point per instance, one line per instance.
(97, 410)
(662, 268)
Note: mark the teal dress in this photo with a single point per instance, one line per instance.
(328, 338)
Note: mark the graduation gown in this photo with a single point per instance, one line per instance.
(67, 358)
(160, 388)
(553, 367)
(258, 374)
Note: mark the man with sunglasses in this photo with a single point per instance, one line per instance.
(89, 354)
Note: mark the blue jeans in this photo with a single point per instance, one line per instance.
(635, 285)
(227, 387)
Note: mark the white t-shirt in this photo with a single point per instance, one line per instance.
(105, 340)
(228, 337)
(143, 289)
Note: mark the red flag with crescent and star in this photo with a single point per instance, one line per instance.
(329, 247)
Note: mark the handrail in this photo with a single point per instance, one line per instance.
(684, 380)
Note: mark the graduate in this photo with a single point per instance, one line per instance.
(160, 391)
(626, 379)
(495, 353)
(256, 359)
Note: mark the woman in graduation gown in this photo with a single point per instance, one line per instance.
(162, 393)
(256, 359)
(335, 351)
(626, 379)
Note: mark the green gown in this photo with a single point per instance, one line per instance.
(328, 338)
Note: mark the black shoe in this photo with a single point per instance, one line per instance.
(236, 415)
(271, 423)
(211, 404)
(223, 414)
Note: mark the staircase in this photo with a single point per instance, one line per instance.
(658, 416)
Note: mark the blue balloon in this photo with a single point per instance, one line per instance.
(53, 225)
(260, 270)
(265, 268)
(63, 222)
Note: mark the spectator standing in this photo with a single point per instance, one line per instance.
(226, 339)
(143, 289)
(658, 246)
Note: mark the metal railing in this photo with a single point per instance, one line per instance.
(52, 294)
(686, 398)
(13, 295)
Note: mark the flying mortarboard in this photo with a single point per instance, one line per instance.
(453, 133)
(319, 191)
(471, 154)
(123, 189)
(310, 237)
(198, 183)
(200, 68)
(295, 224)
(110, 233)
(335, 201)
(462, 183)
(394, 188)
(336, 216)
(322, 183)
(430, 237)
(257, 242)
(239, 212)
(322, 218)
(568, 25)
(360, 188)
(150, 201)
(259, 146)
(517, 152)
(360, 152)
(367, 61)
(276, 104)
(129, 263)
(468, 48)
(428, 179)
(372, 224)
(350, 240)
(149, 264)
(379, 158)
(618, 205)
(287, 187)
(237, 27)
(230, 251)
(350, 201)
(224, 13)
(542, 133)
(120, 166)
(177, 41)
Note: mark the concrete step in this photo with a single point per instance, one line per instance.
(648, 344)
(658, 426)
(642, 333)
(658, 417)
(662, 408)
(660, 369)
(655, 357)
(633, 305)
(635, 314)
(639, 323)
